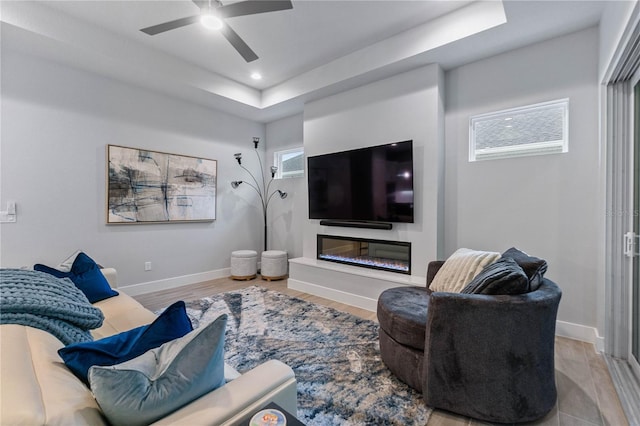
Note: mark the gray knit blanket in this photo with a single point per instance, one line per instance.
(40, 300)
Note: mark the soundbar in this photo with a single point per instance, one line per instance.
(356, 224)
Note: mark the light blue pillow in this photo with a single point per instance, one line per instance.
(158, 382)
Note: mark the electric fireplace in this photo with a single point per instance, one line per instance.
(394, 256)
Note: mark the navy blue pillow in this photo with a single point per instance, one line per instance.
(172, 324)
(86, 275)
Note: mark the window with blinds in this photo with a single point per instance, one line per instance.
(529, 130)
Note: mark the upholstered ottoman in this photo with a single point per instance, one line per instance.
(402, 315)
(274, 265)
(244, 264)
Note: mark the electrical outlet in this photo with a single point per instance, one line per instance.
(147, 266)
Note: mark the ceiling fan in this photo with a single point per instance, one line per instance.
(213, 13)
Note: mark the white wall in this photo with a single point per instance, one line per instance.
(286, 217)
(406, 106)
(56, 123)
(548, 205)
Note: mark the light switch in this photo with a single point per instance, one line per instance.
(9, 215)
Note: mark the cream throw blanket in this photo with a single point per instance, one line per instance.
(460, 268)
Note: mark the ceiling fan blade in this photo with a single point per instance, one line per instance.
(201, 3)
(251, 7)
(171, 25)
(243, 49)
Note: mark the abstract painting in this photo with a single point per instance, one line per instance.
(156, 187)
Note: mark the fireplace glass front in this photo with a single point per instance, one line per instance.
(394, 256)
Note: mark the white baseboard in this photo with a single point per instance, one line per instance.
(563, 328)
(169, 283)
(332, 294)
(580, 332)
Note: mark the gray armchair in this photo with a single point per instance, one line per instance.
(490, 357)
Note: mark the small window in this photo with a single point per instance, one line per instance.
(290, 163)
(530, 130)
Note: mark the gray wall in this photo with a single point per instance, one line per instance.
(286, 217)
(56, 123)
(549, 206)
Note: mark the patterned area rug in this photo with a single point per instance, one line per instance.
(335, 357)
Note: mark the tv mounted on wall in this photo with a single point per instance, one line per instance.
(373, 184)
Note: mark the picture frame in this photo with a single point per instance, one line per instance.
(145, 186)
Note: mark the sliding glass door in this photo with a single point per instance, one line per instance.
(622, 269)
(635, 280)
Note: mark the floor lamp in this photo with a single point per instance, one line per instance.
(261, 190)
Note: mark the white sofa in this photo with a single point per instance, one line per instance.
(36, 388)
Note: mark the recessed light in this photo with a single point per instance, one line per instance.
(508, 118)
(211, 21)
(256, 76)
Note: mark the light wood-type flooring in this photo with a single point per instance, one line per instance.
(586, 395)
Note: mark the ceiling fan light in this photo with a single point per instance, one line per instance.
(211, 21)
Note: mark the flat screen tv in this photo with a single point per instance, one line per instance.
(369, 184)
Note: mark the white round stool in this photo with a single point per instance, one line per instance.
(244, 264)
(274, 265)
